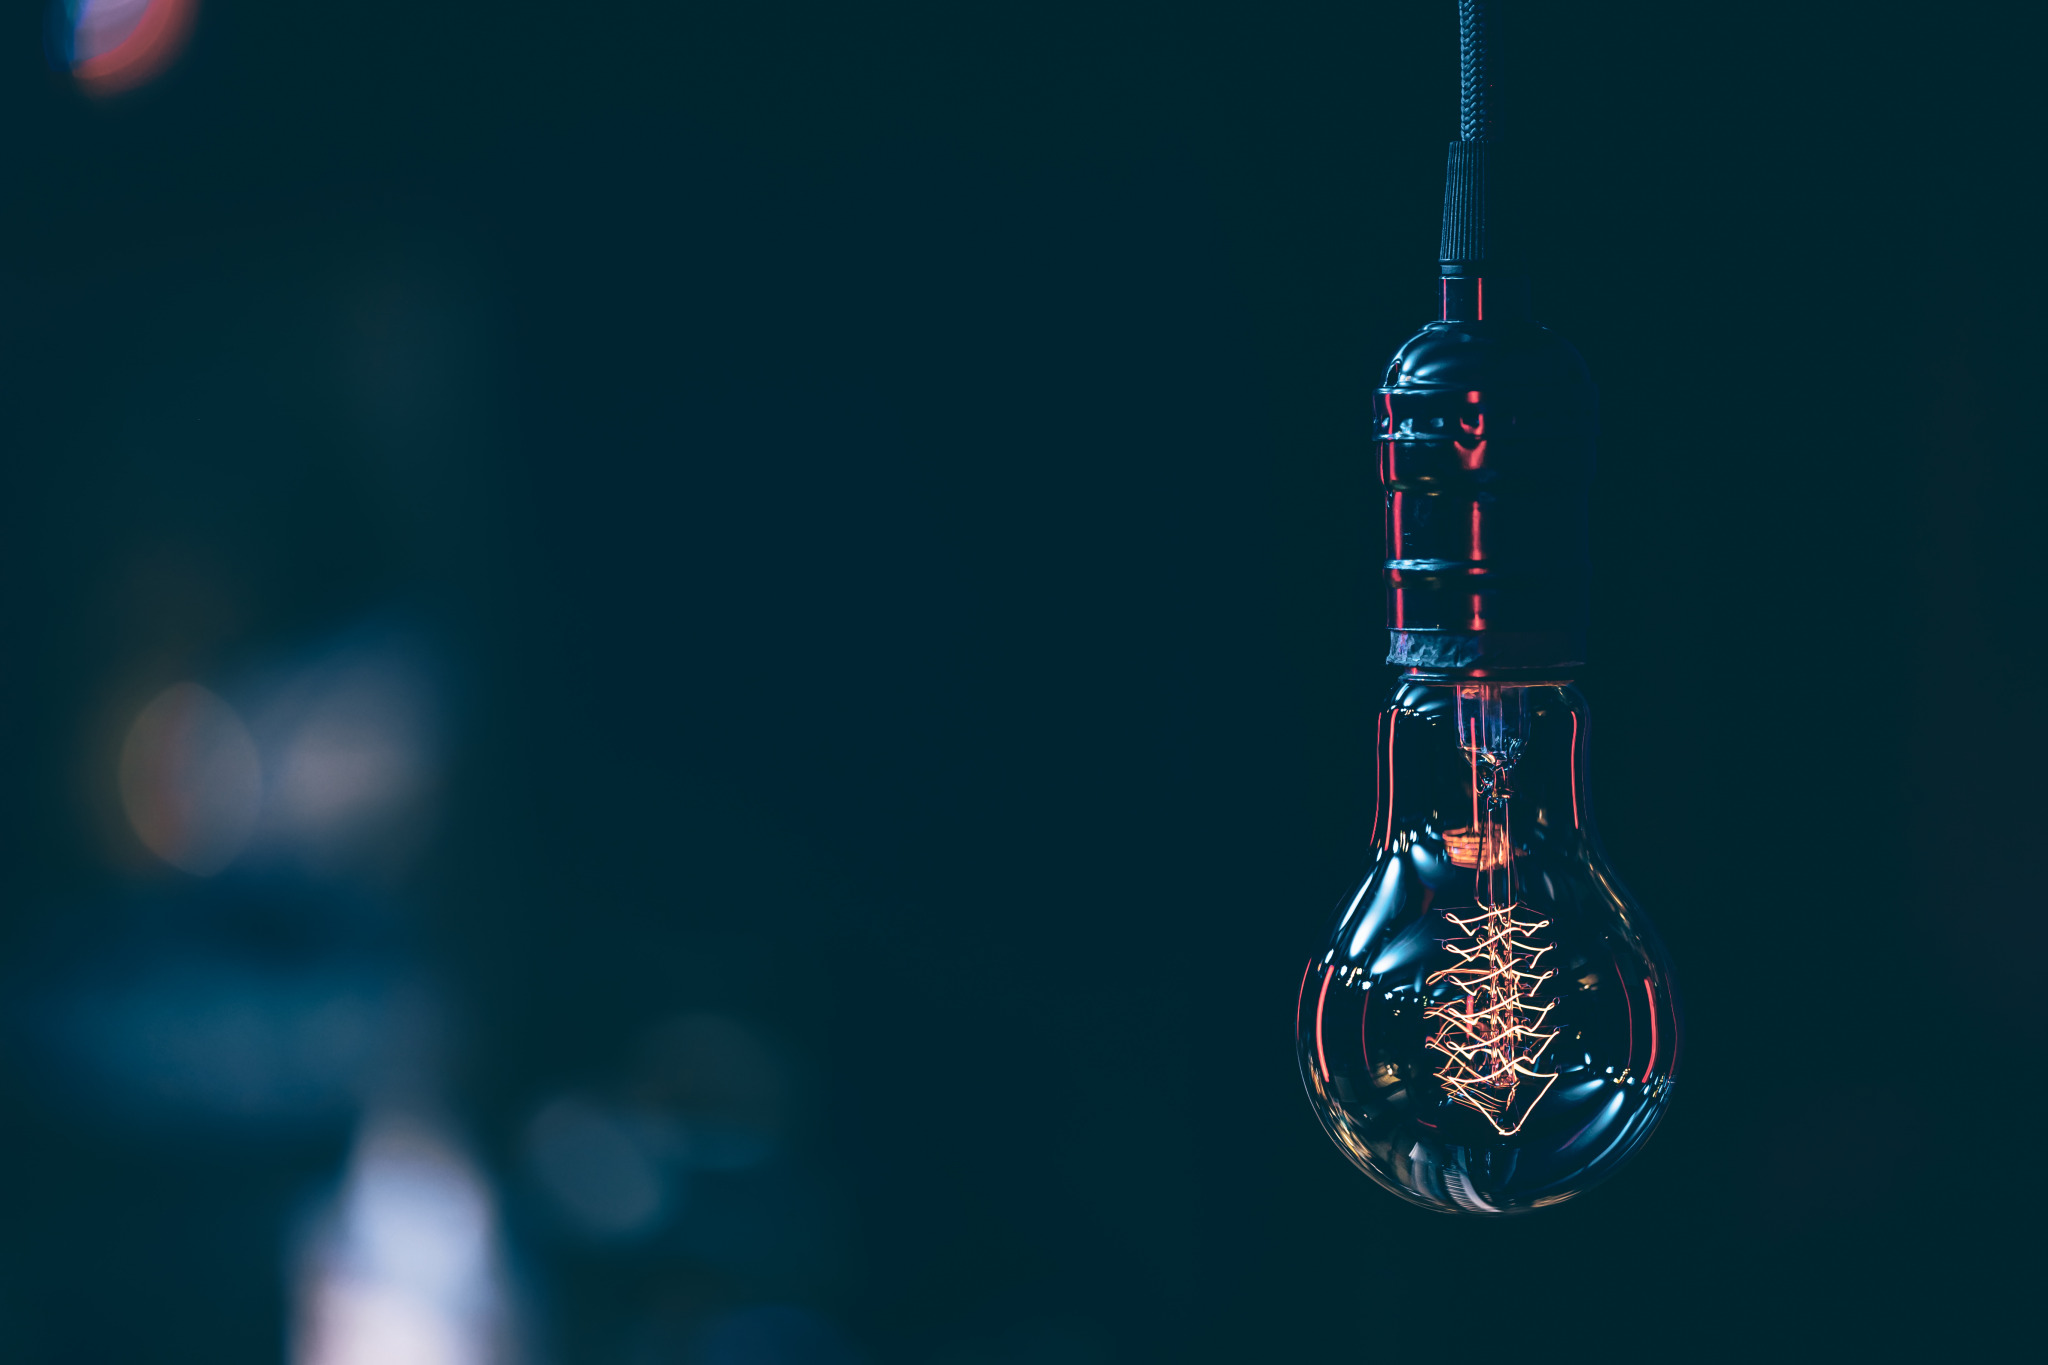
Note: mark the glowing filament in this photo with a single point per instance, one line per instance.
(1492, 1034)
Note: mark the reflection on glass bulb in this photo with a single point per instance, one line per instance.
(1491, 1026)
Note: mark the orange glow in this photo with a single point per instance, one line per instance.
(1321, 1000)
(1651, 996)
(1477, 846)
(1492, 1036)
(1473, 751)
(1487, 849)
(1393, 727)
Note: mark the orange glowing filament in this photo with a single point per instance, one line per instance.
(1492, 1034)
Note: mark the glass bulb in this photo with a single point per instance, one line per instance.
(1491, 1026)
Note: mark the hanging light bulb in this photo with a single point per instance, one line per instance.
(1491, 1025)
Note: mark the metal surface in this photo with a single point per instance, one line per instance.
(1486, 424)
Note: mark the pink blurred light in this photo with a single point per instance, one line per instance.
(120, 44)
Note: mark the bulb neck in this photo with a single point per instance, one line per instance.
(1456, 755)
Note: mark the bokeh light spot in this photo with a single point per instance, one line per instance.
(596, 1169)
(405, 1270)
(115, 45)
(191, 780)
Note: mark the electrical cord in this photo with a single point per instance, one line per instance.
(1472, 231)
(1476, 110)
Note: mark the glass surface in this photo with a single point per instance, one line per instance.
(1491, 1026)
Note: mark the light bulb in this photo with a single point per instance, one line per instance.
(1492, 1025)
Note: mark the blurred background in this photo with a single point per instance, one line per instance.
(679, 684)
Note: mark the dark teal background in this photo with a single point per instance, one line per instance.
(899, 517)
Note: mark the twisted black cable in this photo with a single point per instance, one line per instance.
(1476, 113)
(1472, 235)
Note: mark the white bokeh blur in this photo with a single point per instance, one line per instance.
(406, 1267)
